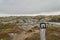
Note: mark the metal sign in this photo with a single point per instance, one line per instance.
(42, 25)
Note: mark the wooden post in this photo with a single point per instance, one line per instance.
(42, 31)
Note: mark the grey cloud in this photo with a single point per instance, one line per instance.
(29, 6)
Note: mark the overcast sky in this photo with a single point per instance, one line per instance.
(18, 7)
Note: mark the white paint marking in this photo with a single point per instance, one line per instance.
(42, 34)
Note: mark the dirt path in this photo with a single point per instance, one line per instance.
(24, 35)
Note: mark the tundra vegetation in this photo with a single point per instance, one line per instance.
(28, 25)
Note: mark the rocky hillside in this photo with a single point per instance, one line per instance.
(14, 27)
(28, 21)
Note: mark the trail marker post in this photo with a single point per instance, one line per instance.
(42, 31)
